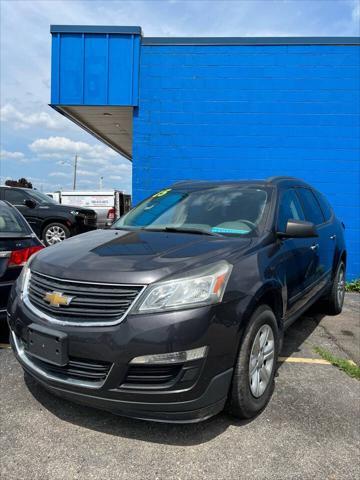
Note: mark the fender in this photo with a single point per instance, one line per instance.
(58, 219)
(270, 293)
(274, 294)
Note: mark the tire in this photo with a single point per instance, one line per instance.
(247, 396)
(335, 298)
(55, 233)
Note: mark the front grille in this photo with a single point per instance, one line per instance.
(87, 218)
(91, 302)
(76, 369)
(147, 376)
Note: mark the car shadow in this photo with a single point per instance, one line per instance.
(297, 334)
(164, 433)
(155, 432)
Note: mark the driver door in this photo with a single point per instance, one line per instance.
(298, 260)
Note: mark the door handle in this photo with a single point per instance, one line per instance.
(314, 247)
(333, 237)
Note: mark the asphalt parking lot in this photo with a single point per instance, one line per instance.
(310, 429)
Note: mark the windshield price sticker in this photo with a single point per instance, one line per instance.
(161, 193)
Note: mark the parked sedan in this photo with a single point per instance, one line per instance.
(17, 243)
(180, 308)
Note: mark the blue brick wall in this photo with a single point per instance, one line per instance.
(87, 68)
(228, 112)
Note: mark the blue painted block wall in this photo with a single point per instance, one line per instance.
(94, 68)
(228, 112)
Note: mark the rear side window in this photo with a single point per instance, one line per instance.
(310, 206)
(15, 197)
(289, 209)
(10, 221)
(325, 205)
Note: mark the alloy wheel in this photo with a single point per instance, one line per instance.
(261, 362)
(341, 286)
(55, 234)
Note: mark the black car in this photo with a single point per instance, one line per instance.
(17, 243)
(51, 221)
(180, 308)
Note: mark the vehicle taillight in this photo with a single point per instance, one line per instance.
(111, 214)
(18, 258)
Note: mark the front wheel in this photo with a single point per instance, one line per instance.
(55, 233)
(255, 369)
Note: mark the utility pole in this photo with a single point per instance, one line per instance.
(101, 183)
(75, 168)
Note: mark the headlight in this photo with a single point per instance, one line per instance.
(203, 286)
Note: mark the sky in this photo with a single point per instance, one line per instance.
(38, 143)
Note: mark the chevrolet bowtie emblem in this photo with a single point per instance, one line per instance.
(55, 299)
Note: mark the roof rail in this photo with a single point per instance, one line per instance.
(278, 178)
(179, 182)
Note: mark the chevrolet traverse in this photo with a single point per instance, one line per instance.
(180, 308)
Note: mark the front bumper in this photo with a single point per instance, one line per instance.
(211, 402)
(185, 398)
(84, 224)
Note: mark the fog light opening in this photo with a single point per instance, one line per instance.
(172, 357)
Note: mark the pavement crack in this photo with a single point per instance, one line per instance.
(338, 345)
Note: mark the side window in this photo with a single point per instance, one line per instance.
(310, 206)
(289, 208)
(15, 197)
(325, 205)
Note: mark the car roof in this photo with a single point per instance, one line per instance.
(17, 188)
(277, 181)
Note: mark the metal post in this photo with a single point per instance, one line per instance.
(75, 168)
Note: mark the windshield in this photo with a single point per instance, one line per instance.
(226, 210)
(41, 197)
(11, 221)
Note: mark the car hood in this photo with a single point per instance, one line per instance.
(138, 257)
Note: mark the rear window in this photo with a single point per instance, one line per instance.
(310, 206)
(11, 222)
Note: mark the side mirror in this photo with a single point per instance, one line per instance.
(299, 229)
(30, 203)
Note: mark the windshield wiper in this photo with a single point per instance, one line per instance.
(127, 228)
(197, 231)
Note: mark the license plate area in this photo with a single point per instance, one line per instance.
(47, 345)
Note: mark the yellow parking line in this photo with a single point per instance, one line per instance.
(5, 346)
(315, 361)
